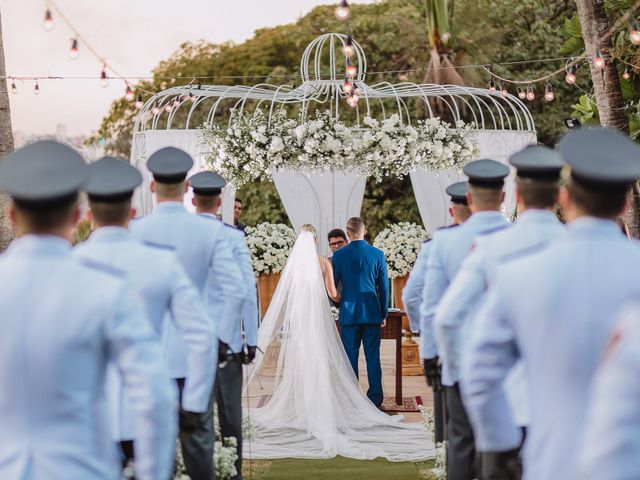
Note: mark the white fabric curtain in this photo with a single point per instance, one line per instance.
(429, 187)
(148, 142)
(324, 200)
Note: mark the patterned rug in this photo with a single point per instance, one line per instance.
(409, 404)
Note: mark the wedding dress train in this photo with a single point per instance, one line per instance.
(316, 408)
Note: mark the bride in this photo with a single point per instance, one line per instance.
(314, 406)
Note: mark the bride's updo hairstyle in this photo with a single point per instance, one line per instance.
(307, 227)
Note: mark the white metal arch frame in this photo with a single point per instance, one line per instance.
(322, 84)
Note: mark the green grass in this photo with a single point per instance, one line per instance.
(340, 467)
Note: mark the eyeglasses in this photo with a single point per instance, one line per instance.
(338, 243)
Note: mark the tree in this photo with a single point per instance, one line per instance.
(6, 144)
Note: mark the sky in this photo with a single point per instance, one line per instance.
(133, 35)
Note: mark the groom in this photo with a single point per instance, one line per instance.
(362, 271)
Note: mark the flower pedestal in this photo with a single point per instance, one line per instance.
(267, 283)
(410, 351)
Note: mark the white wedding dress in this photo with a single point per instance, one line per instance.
(314, 405)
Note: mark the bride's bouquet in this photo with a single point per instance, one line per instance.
(401, 243)
(270, 244)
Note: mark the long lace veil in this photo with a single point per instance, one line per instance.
(307, 402)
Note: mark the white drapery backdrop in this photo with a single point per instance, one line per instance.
(327, 200)
(324, 200)
(146, 143)
(429, 188)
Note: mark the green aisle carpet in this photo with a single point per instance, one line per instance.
(338, 468)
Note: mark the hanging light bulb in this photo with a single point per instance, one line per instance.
(598, 61)
(492, 85)
(73, 51)
(347, 86)
(522, 95)
(351, 69)
(570, 77)
(139, 102)
(104, 78)
(48, 21)
(14, 89)
(192, 96)
(549, 96)
(128, 93)
(155, 110)
(342, 11)
(531, 95)
(347, 48)
(634, 33)
(352, 101)
(503, 90)
(36, 89)
(168, 107)
(626, 75)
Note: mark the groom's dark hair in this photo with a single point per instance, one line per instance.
(355, 226)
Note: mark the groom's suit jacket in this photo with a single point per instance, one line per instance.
(362, 271)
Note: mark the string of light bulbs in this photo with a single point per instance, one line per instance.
(74, 50)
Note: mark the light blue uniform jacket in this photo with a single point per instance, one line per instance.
(412, 293)
(205, 254)
(168, 294)
(448, 250)
(554, 310)
(241, 254)
(611, 441)
(455, 315)
(62, 323)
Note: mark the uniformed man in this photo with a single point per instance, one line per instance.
(207, 188)
(63, 321)
(160, 279)
(448, 249)
(555, 310)
(611, 441)
(204, 252)
(538, 174)
(412, 299)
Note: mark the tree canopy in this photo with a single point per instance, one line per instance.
(394, 35)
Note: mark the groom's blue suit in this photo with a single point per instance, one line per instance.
(362, 271)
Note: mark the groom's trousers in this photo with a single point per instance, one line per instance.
(369, 336)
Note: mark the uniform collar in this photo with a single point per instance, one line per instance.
(209, 215)
(535, 215)
(40, 244)
(482, 217)
(167, 207)
(594, 226)
(110, 234)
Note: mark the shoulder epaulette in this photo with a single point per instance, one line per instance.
(523, 252)
(427, 241)
(158, 245)
(103, 267)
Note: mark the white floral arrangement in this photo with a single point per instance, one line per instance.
(439, 470)
(270, 244)
(252, 146)
(225, 452)
(401, 243)
(335, 312)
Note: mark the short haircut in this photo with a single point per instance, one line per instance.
(537, 193)
(238, 201)
(337, 233)
(207, 202)
(355, 226)
(598, 202)
(170, 190)
(110, 213)
(486, 197)
(41, 218)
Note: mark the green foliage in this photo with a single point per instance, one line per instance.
(574, 45)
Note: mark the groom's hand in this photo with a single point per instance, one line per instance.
(384, 323)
